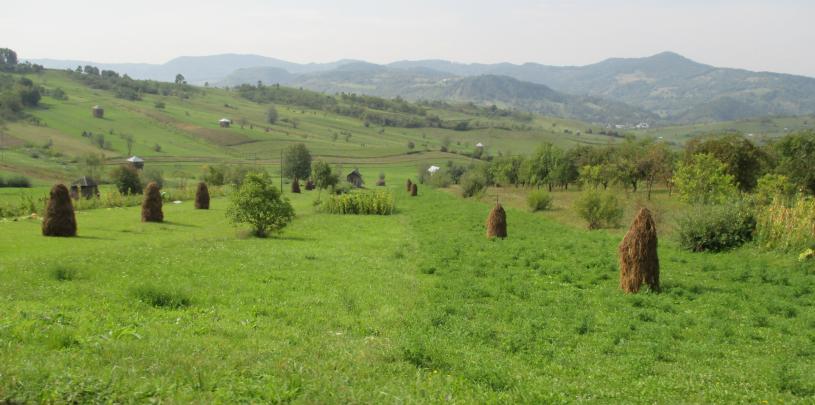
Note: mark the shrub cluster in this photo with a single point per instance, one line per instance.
(15, 182)
(379, 202)
(539, 200)
(716, 228)
(599, 209)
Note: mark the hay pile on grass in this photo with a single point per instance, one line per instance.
(639, 262)
(151, 206)
(202, 197)
(295, 186)
(409, 185)
(59, 217)
(309, 185)
(497, 222)
(414, 191)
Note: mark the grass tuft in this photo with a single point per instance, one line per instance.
(162, 297)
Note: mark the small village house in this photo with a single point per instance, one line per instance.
(85, 187)
(136, 162)
(225, 122)
(355, 178)
(98, 112)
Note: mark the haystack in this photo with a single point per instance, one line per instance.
(639, 262)
(409, 185)
(413, 190)
(295, 186)
(309, 185)
(202, 197)
(151, 206)
(497, 222)
(59, 217)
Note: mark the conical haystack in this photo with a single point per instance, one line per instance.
(202, 197)
(414, 191)
(59, 217)
(497, 222)
(295, 186)
(151, 206)
(639, 262)
(409, 185)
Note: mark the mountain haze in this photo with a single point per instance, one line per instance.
(664, 88)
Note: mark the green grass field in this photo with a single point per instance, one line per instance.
(413, 307)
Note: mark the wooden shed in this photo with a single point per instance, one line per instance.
(136, 162)
(85, 187)
(98, 112)
(355, 178)
(225, 122)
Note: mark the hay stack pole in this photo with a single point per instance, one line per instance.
(295, 186)
(59, 219)
(409, 185)
(414, 191)
(639, 262)
(151, 206)
(202, 197)
(497, 222)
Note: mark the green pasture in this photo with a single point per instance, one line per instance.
(414, 307)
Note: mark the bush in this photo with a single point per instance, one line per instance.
(440, 179)
(257, 202)
(786, 227)
(15, 182)
(538, 200)
(774, 187)
(472, 183)
(599, 209)
(378, 202)
(126, 178)
(716, 228)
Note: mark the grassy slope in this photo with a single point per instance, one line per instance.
(418, 306)
(189, 136)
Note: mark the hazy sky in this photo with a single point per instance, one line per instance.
(775, 35)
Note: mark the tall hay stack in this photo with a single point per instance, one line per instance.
(497, 222)
(409, 185)
(639, 262)
(414, 191)
(59, 219)
(295, 186)
(202, 197)
(151, 206)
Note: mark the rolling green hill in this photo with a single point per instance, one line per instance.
(181, 133)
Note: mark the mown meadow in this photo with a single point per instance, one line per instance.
(417, 306)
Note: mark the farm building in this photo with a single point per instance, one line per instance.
(136, 162)
(355, 178)
(85, 187)
(225, 122)
(433, 169)
(98, 112)
(479, 145)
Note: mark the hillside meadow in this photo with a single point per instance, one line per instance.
(413, 307)
(181, 133)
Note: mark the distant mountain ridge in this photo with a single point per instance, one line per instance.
(663, 88)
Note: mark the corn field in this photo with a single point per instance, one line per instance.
(787, 227)
(360, 203)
